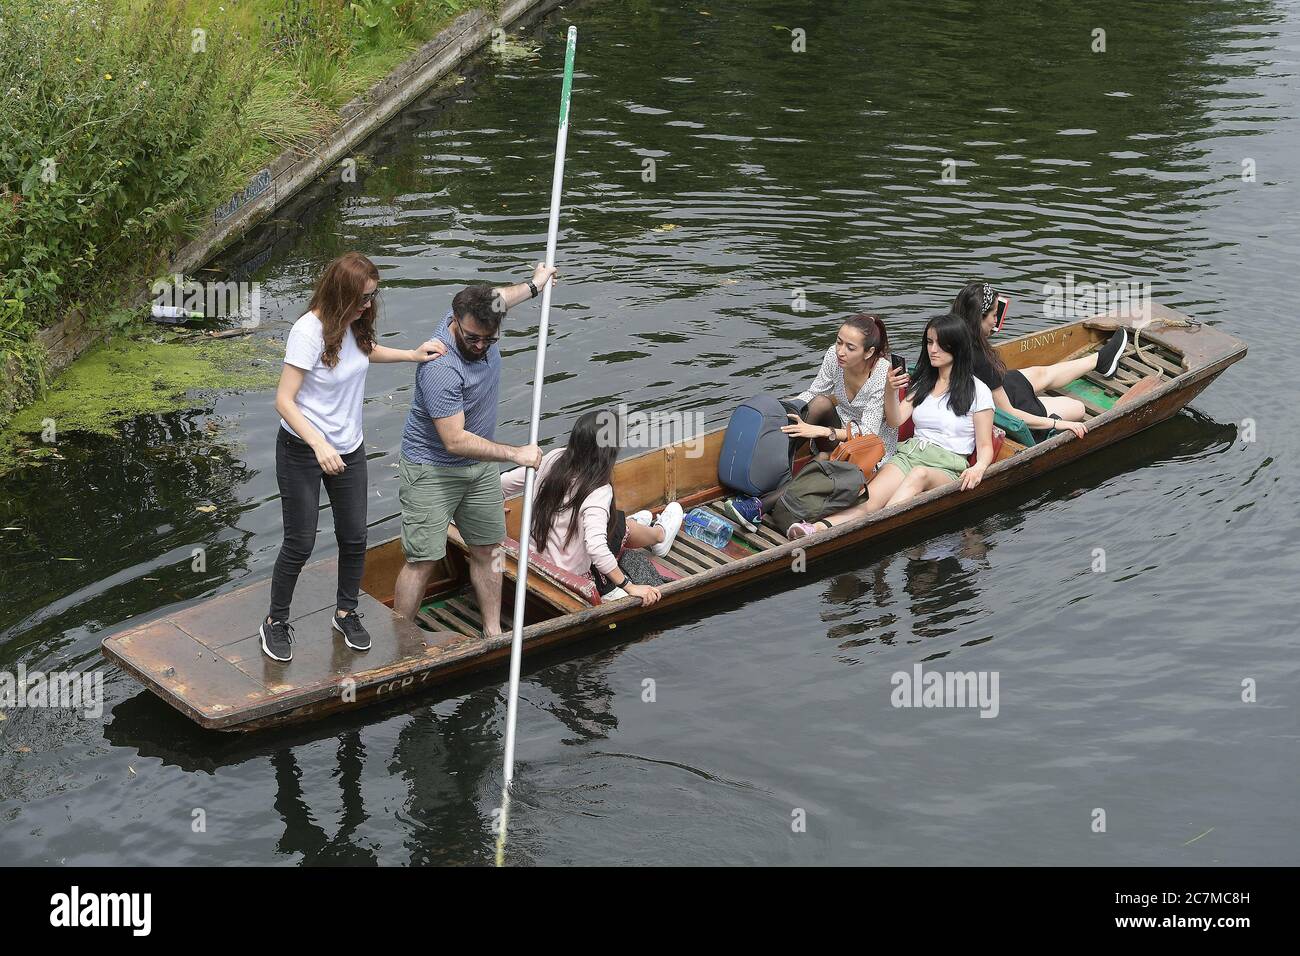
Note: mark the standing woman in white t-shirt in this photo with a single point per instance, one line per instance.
(952, 416)
(322, 386)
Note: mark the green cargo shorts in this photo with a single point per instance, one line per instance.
(433, 495)
(912, 453)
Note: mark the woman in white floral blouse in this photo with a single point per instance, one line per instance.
(849, 389)
(848, 394)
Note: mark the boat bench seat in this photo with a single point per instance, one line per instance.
(579, 585)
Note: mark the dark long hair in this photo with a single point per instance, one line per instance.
(873, 334)
(954, 338)
(336, 299)
(586, 463)
(969, 304)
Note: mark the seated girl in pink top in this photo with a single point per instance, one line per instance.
(576, 524)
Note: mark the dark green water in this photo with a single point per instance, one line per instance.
(814, 174)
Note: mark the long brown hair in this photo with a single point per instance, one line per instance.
(337, 298)
(969, 304)
(873, 335)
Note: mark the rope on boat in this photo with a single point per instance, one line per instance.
(1164, 324)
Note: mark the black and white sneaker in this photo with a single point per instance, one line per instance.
(349, 625)
(277, 640)
(1109, 354)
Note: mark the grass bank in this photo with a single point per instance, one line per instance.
(127, 121)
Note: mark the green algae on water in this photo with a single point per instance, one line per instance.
(125, 378)
(509, 50)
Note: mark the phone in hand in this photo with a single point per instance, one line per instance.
(899, 363)
(1004, 306)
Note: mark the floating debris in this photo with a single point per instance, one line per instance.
(513, 51)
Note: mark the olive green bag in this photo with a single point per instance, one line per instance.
(822, 488)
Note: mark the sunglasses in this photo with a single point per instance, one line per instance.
(368, 297)
(477, 339)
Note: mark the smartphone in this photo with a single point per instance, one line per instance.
(899, 363)
(1004, 306)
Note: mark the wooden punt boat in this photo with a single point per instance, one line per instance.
(205, 660)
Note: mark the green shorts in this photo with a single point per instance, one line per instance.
(433, 495)
(910, 453)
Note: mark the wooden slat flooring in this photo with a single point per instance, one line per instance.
(700, 552)
(682, 566)
(1154, 355)
(686, 558)
(748, 537)
(466, 609)
(1116, 386)
(764, 538)
(775, 538)
(440, 619)
(1155, 360)
(1141, 369)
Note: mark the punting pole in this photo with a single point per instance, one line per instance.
(530, 475)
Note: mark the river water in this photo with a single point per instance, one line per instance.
(800, 185)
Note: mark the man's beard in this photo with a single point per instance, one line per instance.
(466, 352)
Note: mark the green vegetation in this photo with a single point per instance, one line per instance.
(126, 122)
(120, 379)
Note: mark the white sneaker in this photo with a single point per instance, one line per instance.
(670, 519)
(642, 517)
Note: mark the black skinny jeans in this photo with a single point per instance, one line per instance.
(300, 478)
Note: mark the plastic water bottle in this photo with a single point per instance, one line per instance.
(174, 312)
(703, 525)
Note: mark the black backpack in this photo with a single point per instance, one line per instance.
(821, 488)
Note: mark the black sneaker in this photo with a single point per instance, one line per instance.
(1109, 354)
(277, 639)
(349, 625)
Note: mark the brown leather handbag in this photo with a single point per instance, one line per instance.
(865, 451)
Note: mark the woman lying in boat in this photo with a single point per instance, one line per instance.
(952, 416)
(846, 398)
(1020, 391)
(576, 524)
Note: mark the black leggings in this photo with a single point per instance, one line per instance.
(300, 478)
